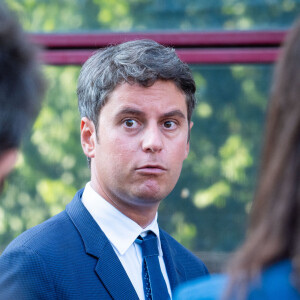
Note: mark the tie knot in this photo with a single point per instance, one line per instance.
(148, 244)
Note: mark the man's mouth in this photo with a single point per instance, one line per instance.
(151, 169)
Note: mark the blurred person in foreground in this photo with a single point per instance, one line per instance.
(136, 100)
(21, 89)
(267, 266)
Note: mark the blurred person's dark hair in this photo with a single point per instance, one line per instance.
(274, 231)
(21, 83)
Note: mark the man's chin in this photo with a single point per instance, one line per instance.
(151, 195)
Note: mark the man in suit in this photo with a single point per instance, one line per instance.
(136, 100)
(21, 89)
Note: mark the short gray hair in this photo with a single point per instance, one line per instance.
(142, 62)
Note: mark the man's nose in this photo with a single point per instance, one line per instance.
(152, 139)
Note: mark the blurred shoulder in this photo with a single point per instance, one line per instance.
(276, 282)
(204, 288)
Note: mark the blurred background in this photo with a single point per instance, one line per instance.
(231, 47)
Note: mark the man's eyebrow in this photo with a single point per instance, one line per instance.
(130, 111)
(175, 113)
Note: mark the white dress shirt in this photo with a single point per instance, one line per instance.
(122, 233)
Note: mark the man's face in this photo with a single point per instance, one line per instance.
(141, 145)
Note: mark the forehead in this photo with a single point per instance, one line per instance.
(162, 95)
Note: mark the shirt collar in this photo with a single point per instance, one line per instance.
(118, 228)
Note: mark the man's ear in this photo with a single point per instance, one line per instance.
(187, 149)
(88, 137)
(7, 161)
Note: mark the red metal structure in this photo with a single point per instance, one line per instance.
(192, 47)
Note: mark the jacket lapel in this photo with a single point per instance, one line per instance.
(175, 269)
(108, 268)
(113, 275)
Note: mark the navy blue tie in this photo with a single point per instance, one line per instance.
(155, 287)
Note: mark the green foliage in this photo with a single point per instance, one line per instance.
(215, 190)
(218, 177)
(144, 15)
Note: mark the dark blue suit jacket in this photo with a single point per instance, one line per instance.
(69, 257)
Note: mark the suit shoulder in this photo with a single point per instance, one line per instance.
(42, 235)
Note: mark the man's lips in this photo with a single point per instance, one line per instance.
(151, 169)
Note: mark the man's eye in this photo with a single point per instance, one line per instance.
(130, 123)
(169, 124)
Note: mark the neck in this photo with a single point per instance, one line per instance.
(141, 217)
